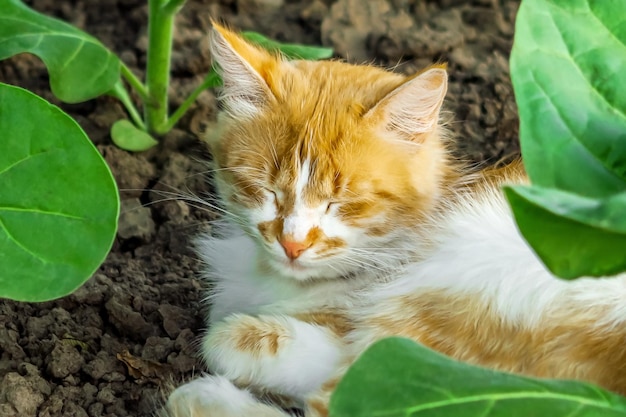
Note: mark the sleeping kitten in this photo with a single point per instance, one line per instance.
(349, 223)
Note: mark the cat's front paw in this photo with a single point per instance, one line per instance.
(208, 396)
(279, 354)
(215, 396)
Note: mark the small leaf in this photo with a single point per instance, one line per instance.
(59, 202)
(80, 67)
(568, 67)
(291, 51)
(573, 235)
(129, 137)
(145, 369)
(397, 377)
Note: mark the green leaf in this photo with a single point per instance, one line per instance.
(397, 377)
(58, 205)
(128, 136)
(573, 235)
(568, 67)
(290, 50)
(80, 67)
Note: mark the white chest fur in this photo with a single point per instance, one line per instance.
(240, 287)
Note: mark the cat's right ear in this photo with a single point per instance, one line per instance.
(411, 111)
(244, 69)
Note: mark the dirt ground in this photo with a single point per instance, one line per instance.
(108, 349)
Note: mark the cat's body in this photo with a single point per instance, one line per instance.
(352, 224)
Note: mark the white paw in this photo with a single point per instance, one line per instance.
(209, 396)
(274, 353)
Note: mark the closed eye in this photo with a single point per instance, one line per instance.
(331, 205)
(270, 194)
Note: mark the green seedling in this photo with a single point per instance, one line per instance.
(81, 68)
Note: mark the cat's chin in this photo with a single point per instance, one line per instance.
(298, 271)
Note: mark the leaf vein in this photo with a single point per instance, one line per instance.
(580, 70)
(567, 125)
(18, 162)
(72, 57)
(39, 211)
(575, 411)
(103, 68)
(593, 13)
(25, 21)
(85, 39)
(495, 398)
(19, 245)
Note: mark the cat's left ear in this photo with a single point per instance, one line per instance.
(412, 109)
(245, 70)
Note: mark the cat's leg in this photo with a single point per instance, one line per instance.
(316, 404)
(216, 396)
(277, 354)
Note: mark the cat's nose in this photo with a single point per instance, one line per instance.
(293, 249)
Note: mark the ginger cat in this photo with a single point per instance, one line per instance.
(349, 222)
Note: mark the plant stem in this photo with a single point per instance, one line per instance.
(212, 80)
(160, 32)
(122, 95)
(134, 82)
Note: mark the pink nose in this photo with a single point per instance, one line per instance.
(293, 249)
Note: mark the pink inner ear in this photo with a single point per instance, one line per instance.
(413, 108)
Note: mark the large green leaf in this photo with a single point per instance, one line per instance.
(80, 67)
(568, 67)
(573, 235)
(397, 377)
(59, 202)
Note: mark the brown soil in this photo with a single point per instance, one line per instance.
(107, 349)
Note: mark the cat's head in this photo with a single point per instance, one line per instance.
(328, 166)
